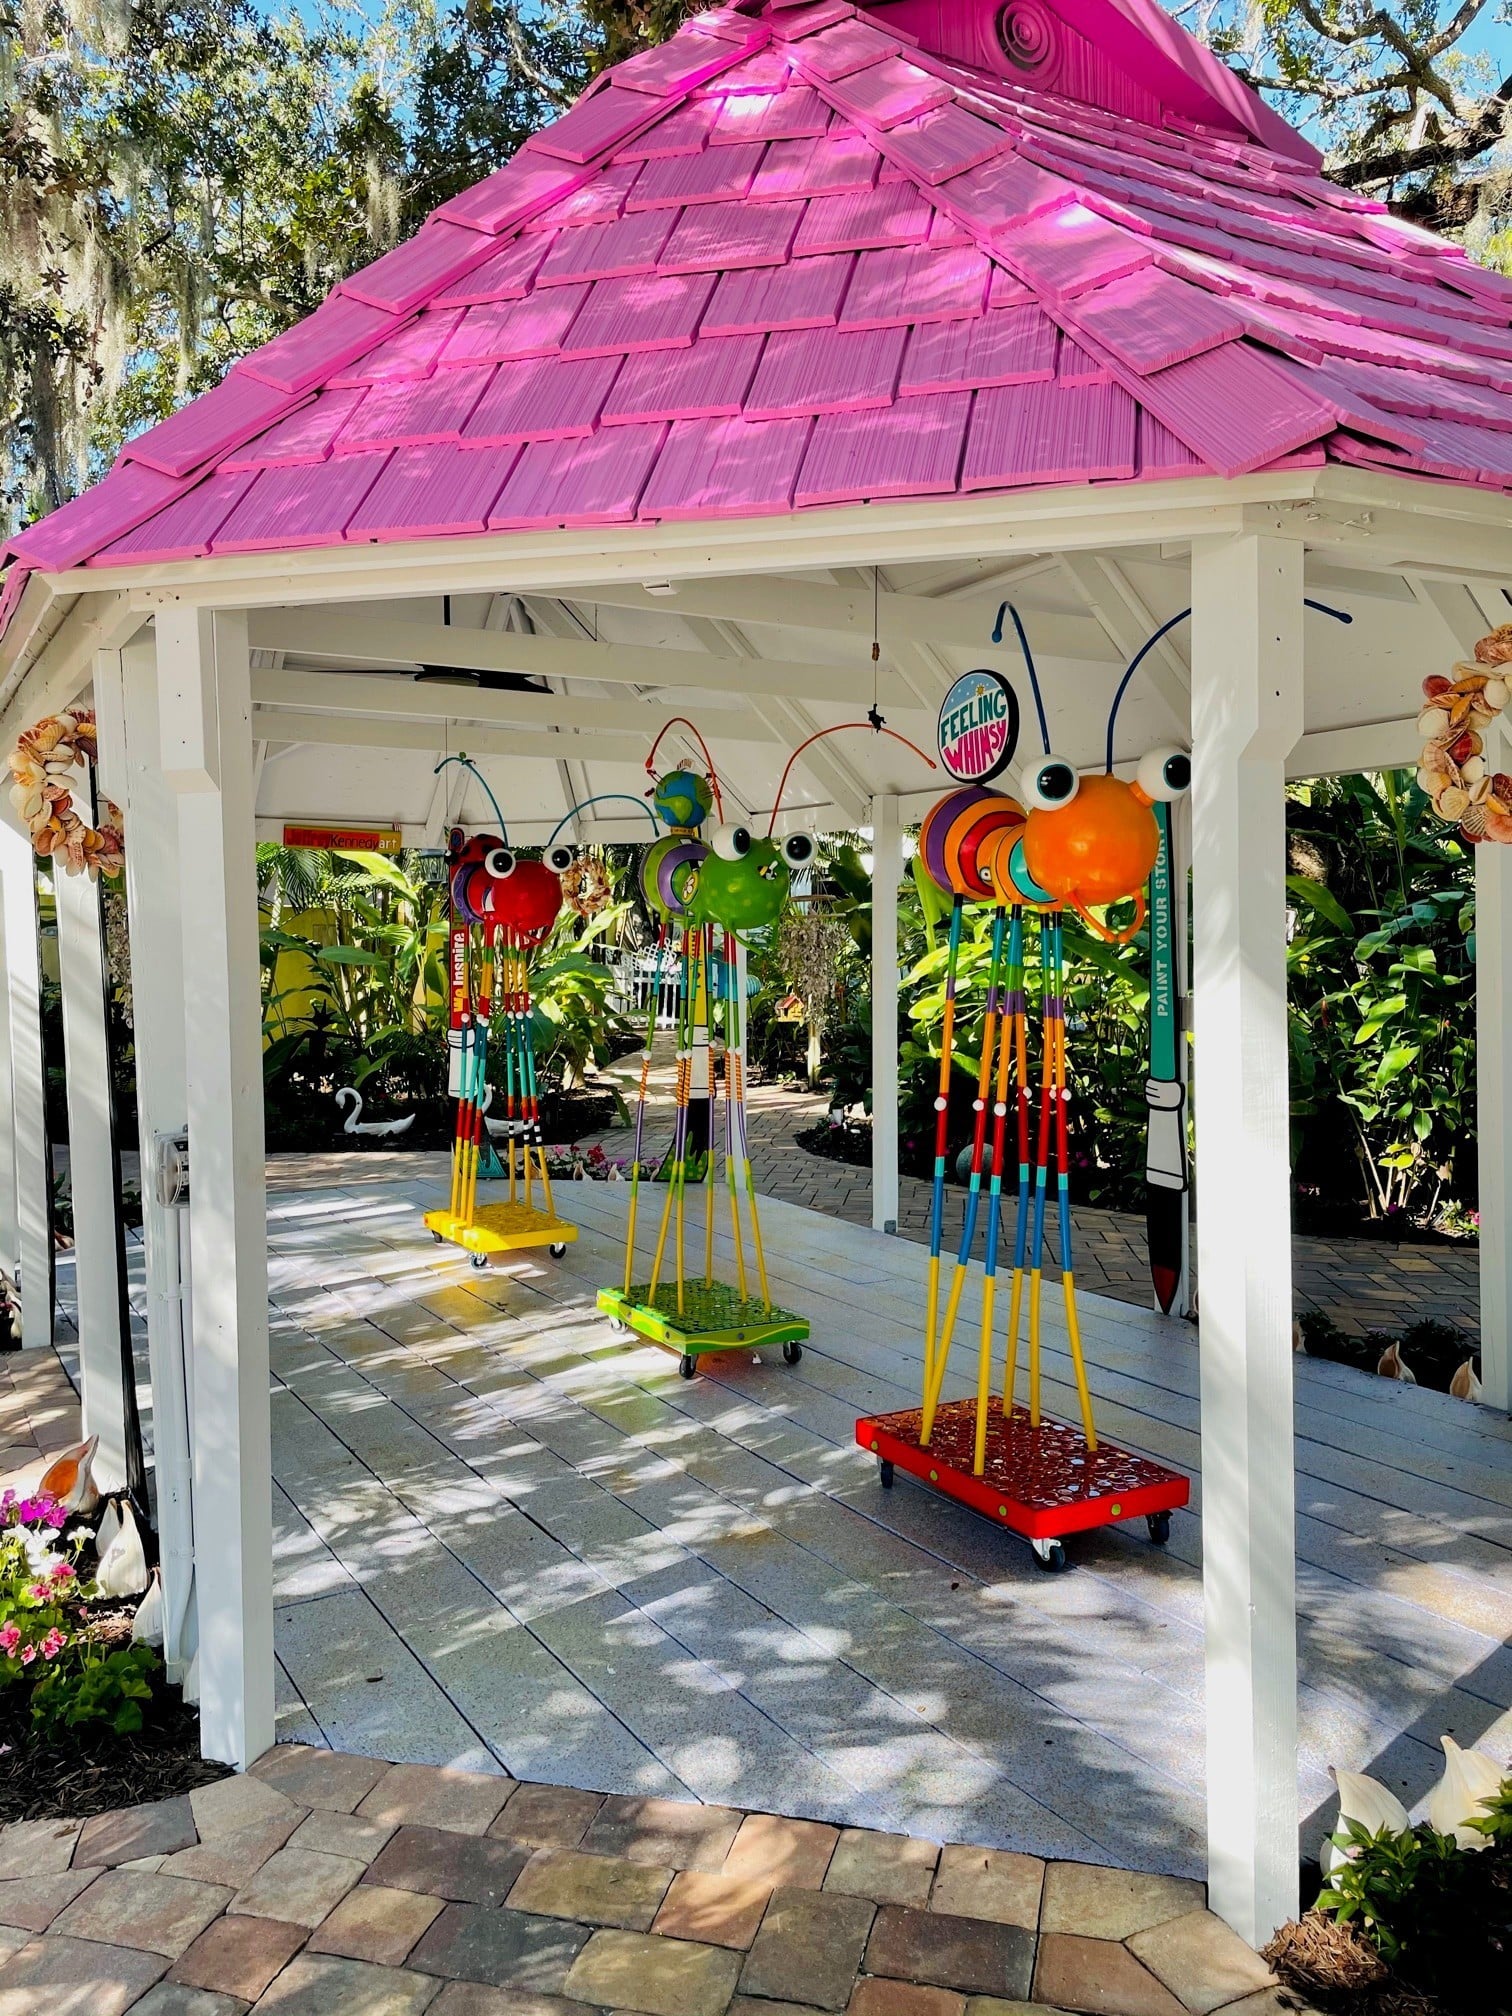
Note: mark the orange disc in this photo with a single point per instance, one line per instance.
(1098, 849)
(996, 859)
(964, 839)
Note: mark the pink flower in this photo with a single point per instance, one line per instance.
(10, 1638)
(39, 1592)
(28, 1653)
(62, 1572)
(53, 1643)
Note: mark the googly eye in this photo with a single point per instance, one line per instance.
(798, 849)
(1165, 773)
(559, 858)
(499, 862)
(731, 843)
(1048, 783)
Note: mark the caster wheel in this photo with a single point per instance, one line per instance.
(480, 1259)
(436, 1236)
(1159, 1524)
(885, 1474)
(791, 1353)
(1049, 1555)
(557, 1250)
(618, 1325)
(687, 1365)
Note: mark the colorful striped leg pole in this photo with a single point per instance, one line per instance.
(463, 1079)
(974, 1190)
(707, 938)
(640, 1110)
(1049, 1006)
(744, 1136)
(679, 1136)
(942, 1106)
(732, 1066)
(1011, 1008)
(1022, 1100)
(1063, 1195)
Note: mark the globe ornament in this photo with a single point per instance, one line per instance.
(683, 798)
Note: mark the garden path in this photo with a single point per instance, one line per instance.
(1364, 1284)
(330, 1885)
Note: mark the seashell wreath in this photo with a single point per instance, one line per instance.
(47, 763)
(1452, 768)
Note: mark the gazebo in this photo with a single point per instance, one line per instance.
(816, 326)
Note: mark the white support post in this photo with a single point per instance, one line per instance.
(33, 1163)
(887, 871)
(1493, 1114)
(1246, 715)
(205, 724)
(92, 1169)
(126, 708)
(10, 1220)
(1181, 866)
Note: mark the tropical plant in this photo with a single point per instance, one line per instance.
(89, 1684)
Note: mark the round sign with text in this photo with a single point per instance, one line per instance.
(979, 725)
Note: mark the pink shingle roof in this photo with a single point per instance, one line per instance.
(808, 254)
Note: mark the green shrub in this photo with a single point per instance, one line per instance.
(93, 1686)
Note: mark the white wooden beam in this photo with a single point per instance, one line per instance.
(887, 872)
(92, 1170)
(59, 669)
(1246, 717)
(1129, 622)
(10, 1220)
(205, 725)
(1373, 745)
(924, 530)
(391, 698)
(359, 731)
(23, 972)
(786, 602)
(126, 707)
(379, 637)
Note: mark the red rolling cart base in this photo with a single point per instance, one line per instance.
(1041, 1482)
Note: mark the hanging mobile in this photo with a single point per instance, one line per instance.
(500, 909)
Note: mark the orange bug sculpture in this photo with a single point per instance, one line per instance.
(1080, 842)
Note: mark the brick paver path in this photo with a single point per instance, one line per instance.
(1364, 1284)
(330, 1885)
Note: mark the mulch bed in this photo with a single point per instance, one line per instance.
(90, 1769)
(1336, 1969)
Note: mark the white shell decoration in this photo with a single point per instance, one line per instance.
(1469, 1777)
(70, 1477)
(109, 1526)
(147, 1625)
(1464, 1385)
(123, 1565)
(1369, 1802)
(1392, 1365)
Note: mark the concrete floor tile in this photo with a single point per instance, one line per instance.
(1202, 1961)
(888, 1868)
(238, 1956)
(159, 1914)
(297, 1886)
(987, 1883)
(37, 1847)
(713, 1910)
(810, 1945)
(75, 1977)
(319, 1778)
(1112, 1903)
(372, 1923)
(322, 1985)
(1100, 1977)
(546, 1816)
(662, 1977)
(500, 1948)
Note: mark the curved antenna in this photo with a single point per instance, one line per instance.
(682, 721)
(1323, 609)
(601, 798)
(997, 638)
(473, 770)
(839, 728)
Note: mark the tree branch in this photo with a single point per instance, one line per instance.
(1468, 142)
